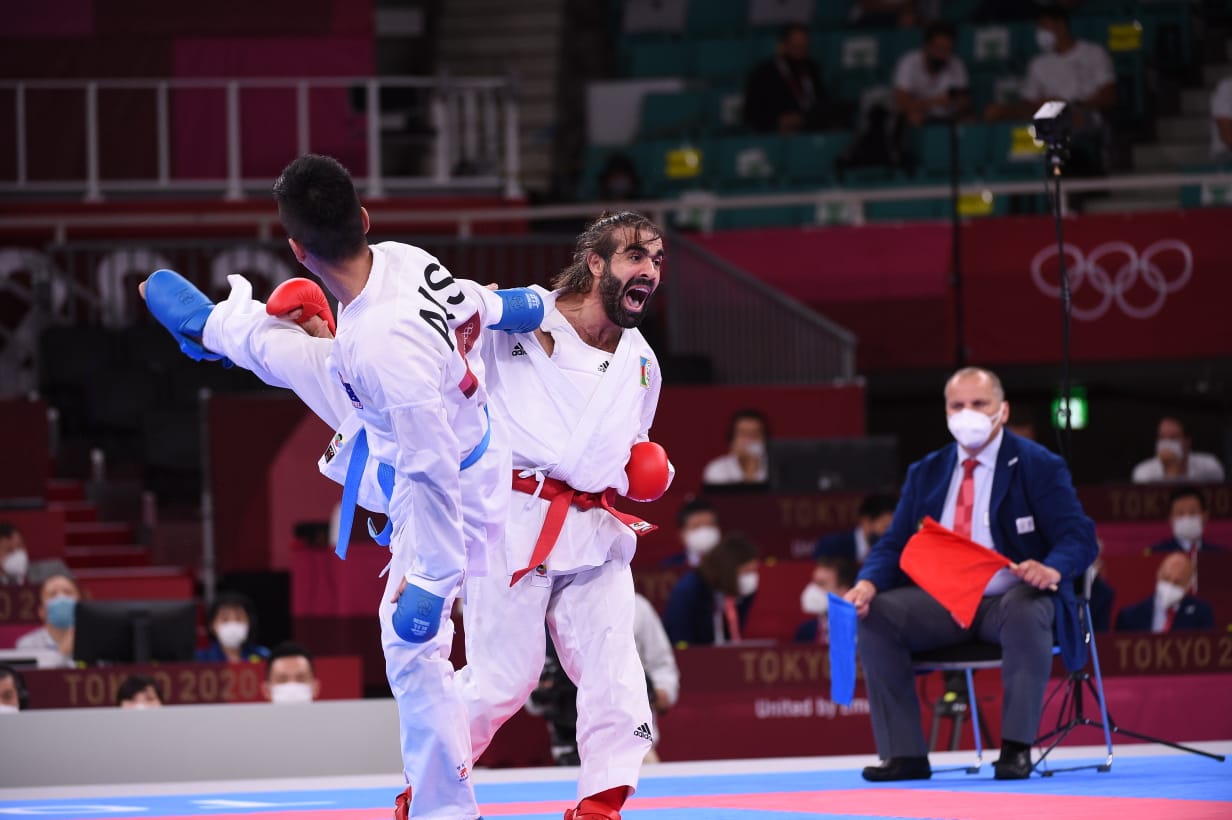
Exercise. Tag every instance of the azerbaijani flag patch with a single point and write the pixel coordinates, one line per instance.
(645, 377)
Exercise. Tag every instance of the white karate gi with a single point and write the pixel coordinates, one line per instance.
(573, 416)
(397, 366)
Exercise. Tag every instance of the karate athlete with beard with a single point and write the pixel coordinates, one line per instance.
(582, 391)
(575, 397)
(407, 361)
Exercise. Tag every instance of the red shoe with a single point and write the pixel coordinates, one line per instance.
(402, 805)
(592, 814)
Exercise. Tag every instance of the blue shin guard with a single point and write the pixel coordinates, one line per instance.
(418, 616)
(182, 309)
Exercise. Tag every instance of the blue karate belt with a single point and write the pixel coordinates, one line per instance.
(385, 480)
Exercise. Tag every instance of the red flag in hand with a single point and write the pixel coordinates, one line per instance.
(952, 569)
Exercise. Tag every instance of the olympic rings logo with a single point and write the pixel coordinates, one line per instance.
(1093, 270)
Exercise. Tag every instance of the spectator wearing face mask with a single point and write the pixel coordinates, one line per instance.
(1173, 459)
(872, 520)
(139, 692)
(14, 697)
(710, 604)
(1189, 517)
(745, 461)
(58, 598)
(698, 525)
(833, 573)
(290, 677)
(930, 83)
(1172, 608)
(15, 564)
(232, 636)
(1074, 71)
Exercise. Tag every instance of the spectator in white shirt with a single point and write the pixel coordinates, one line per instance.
(930, 83)
(745, 462)
(1221, 121)
(1174, 461)
(1077, 72)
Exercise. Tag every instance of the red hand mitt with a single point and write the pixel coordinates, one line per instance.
(952, 569)
(647, 471)
(301, 293)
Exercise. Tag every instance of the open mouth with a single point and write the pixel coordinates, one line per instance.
(636, 296)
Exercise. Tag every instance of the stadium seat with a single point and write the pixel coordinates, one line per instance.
(780, 12)
(932, 147)
(673, 115)
(727, 61)
(709, 18)
(749, 163)
(643, 16)
(808, 159)
(658, 59)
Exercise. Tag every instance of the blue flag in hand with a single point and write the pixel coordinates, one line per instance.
(842, 617)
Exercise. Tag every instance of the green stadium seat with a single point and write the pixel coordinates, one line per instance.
(669, 167)
(808, 159)
(751, 163)
(709, 18)
(932, 150)
(774, 216)
(829, 15)
(673, 115)
(658, 59)
(726, 61)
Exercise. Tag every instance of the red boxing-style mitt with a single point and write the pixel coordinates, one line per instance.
(301, 293)
(648, 471)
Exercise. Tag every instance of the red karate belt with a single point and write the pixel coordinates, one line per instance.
(561, 497)
(952, 569)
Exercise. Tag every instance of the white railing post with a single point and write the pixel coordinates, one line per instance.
(470, 127)
(513, 157)
(491, 125)
(19, 102)
(235, 187)
(164, 135)
(94, 192)
(301, 117)
(375, 186)
(440, 140)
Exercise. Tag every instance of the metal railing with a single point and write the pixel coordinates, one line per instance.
(470, 127)
(94, 284)
(848, 204)
(749, 332)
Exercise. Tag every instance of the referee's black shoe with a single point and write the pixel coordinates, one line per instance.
(899, 768)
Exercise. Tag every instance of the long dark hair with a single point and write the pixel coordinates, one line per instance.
(601, 237)
(720, 567)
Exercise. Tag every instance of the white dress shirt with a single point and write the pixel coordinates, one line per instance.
(981, 531)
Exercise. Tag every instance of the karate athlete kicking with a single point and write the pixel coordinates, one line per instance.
(405, 374)
(608, 383)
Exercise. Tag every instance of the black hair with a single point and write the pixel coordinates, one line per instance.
(19, 683)
(238, 600)
(601, 237)
(693, 505)
(939, 28)
(7, 529)
(1186, 491)
(134, 685)
(747, 413)
(876, 505)
(844, 568)
(288, 649)
(320, 209)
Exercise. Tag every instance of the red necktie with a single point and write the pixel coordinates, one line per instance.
(965, 504)
(733, 619)
(1171, 617)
